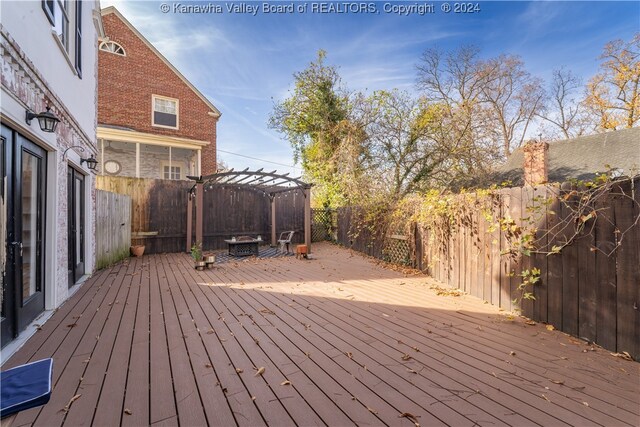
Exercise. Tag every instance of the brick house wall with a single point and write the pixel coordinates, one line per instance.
(126, 85)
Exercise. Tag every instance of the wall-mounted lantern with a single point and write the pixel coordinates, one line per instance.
(47, 120)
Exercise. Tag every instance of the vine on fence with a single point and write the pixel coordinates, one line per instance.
(573, 208)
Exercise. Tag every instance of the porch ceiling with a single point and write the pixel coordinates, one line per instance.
(337, 340)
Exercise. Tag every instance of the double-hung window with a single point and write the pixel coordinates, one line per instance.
(67, 27)
(165, 112)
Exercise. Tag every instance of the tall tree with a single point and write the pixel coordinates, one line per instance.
(452, 84)
(613, 95)
(565, 111)
(514, 97)
(315, 119)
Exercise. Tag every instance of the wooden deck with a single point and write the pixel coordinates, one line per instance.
(336, 340)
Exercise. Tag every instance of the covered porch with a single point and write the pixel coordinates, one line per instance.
(337, 340)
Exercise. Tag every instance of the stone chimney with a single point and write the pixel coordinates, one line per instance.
(536, 162)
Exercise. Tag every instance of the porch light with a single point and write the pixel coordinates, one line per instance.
(47, 120)
(92, 163)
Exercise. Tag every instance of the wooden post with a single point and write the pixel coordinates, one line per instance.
(199, 199)
(307, 218)
(189, 221)
(272, 199)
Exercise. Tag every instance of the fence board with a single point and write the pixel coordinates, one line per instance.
(554, 267)
(496, 212)
(539, 260)
(505, 259)
(515, 210)
(606, 275)
(526, 202)
(569, 269)
(628, 279)
(587, 296)
(113, 235)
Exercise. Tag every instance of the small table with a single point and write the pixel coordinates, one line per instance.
(243, 247)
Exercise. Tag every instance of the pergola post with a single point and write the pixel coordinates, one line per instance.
(199, 202)
(189, 221)
(272, 200)
(307, 218)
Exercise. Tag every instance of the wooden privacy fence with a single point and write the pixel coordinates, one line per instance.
(159, 213)
(113, 231)
(589, 288)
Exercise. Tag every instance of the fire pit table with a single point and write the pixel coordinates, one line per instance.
(243, 246)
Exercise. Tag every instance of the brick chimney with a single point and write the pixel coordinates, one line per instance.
(536, 162)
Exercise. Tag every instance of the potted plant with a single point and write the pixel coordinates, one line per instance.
(137, 250)
(210, 259)
(196, 254)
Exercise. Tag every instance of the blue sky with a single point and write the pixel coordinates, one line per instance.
(243, 62)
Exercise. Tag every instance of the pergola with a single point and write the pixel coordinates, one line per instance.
(268, 183)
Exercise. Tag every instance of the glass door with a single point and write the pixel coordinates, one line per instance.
(75, 224)
(24, 167)
(30, 197)
(8, 314)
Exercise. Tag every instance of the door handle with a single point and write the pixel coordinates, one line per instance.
(19, 244)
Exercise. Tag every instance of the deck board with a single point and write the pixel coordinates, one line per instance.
(156, 342)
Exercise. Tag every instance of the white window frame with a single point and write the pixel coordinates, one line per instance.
(171, 166)
(153, 109)
(60, 19)
(114, 47)
(62, 16)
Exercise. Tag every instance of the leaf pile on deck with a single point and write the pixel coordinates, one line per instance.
(440, 291)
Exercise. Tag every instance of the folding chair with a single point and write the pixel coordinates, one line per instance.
(285, 240)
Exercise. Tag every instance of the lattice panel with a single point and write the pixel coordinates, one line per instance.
(323, 224)
(397, 250)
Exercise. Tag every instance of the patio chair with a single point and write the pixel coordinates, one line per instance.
(285, 240)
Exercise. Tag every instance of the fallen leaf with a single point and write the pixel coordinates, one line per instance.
(73, 399)
(411, 371)
(416, 349)
(207, 365)
(585, 403)
(128, 411)
(406, 357)
(410, 416)
(285, 382)
(530, 322)
(373, 411)
(557, 381)
(239, 371)
(546, 398)
(624, 355)
(512, 353)
(550, 327)
(349, 355)
(260, 371)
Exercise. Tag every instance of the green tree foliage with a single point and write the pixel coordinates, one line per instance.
(315, 119)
